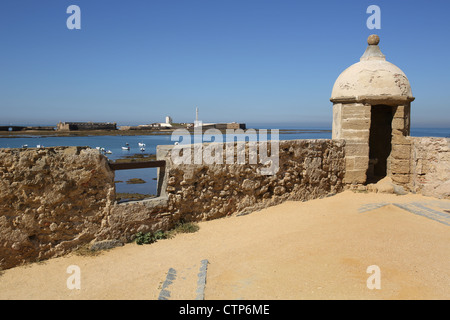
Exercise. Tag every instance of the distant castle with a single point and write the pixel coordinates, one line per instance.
(168, 124)
(79, 126)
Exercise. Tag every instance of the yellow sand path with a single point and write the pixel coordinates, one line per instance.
(319, 249)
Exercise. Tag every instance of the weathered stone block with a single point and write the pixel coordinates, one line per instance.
(398, 137)
(355, 176)
(349, 163)
(400, 178)
(399, 166)
(398, 123)
(352, 134)
(356, 124)
(357, 163)
(356, 110)
(356, 149)
(401, 111)
(401, 151)
(361, 163)
(337, 116)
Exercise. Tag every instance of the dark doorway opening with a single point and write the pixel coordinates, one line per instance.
(379, 141)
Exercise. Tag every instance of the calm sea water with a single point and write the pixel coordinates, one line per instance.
(115, 144)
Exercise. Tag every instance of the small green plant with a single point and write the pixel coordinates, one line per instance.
(160, 235)
(144, 238)
(149, 237)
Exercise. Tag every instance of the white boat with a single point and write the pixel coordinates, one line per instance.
(108, 152)
(141, 144)
(125, 148)
(142, 149)
(101, 149)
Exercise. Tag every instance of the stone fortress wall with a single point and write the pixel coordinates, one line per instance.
(80, 126)
(51, 201)
(429, 161)
(55, 200)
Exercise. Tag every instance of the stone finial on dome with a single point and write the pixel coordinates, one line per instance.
(373, 52)
(373, 40)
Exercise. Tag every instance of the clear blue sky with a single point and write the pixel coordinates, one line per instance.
(253, 61)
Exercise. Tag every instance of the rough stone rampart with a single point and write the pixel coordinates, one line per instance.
(51, 201)
(307, 169)
(54, 200)
(430, 166)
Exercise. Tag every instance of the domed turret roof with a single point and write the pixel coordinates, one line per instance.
(372, 79)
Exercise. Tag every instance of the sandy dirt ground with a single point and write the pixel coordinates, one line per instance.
(319, 249)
